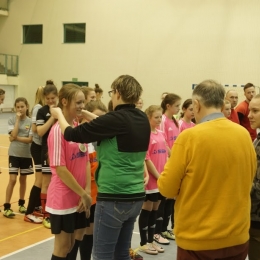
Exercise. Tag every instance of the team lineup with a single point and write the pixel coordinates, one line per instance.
(100, 168)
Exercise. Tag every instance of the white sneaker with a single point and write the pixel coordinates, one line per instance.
(157, 247)
(32, 219)
(148, 249)
(161, 240)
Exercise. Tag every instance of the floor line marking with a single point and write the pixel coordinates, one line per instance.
(18, 234)
(27, 247)
(38, 243)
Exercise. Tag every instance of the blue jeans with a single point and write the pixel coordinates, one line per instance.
(113, 228)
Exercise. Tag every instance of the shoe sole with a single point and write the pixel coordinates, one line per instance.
(169, 238)
(149, 253)
(9, 216)
(161, 243)
(31, 221)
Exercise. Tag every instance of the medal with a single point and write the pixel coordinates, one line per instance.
(82, 148)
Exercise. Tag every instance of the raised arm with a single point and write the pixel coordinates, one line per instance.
(100, 128)
(42, 129)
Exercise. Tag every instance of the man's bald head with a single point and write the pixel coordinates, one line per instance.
(232, 97)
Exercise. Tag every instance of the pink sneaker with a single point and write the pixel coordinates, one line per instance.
(161, 240)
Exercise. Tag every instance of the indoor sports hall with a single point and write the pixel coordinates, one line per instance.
(167, 45)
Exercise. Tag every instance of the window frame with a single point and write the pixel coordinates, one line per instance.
(65, 38)
(24, 36)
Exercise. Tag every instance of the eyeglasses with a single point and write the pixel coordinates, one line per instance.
(110, 92)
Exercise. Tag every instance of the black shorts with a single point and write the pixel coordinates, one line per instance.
(45, 161)
(92, 213)
(36, 152)
(25, 165)
(68, 223)
(154, 197)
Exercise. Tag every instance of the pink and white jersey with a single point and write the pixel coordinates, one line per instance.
(170, 130)
(184, 125)
(61, 199)
(157, 153)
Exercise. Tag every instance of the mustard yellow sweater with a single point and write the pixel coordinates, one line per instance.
(210, 171)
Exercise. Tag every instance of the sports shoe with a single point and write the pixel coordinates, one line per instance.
(32, 219)
(22, 209)
(134, 255)
(158, 248)
(38, 212)
(148, 249)
(168, 234)
(46, 222)
(161, 240)
(8, 213)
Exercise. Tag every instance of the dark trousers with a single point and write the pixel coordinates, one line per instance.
(229, 253)
(254, 244)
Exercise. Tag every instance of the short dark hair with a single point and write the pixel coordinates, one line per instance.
(212, 93)
(248, 85)
(128, 87)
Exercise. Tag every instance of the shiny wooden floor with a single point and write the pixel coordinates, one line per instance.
(16, 233)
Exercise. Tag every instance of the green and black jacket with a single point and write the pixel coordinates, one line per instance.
(122, 141)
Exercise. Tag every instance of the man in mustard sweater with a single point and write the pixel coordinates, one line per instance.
(210, 173)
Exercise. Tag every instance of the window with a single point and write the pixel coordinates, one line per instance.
(74, 33)
(32, 34)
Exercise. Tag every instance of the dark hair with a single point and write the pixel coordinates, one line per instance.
(97, 104)
(2, 92)
(98, 89)
(170, 99)
(24, 100)
(185, 105)
(248, 85)
(110, 106)
(50, 88)
(210, 93)
(128, 87)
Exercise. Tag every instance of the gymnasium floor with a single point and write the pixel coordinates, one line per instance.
(21, 240)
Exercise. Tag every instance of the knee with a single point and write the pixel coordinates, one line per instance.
(64, 250)
(12, 182)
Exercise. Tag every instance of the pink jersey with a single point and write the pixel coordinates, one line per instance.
(170, 130)
(61, 199)
(184, 125)
(157, 153)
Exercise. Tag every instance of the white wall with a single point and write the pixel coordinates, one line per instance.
(167, 45)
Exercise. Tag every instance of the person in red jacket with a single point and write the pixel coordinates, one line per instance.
(243, 110)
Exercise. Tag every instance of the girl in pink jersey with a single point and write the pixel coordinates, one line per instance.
(171, 107)
(155, 160)
(68, 196)
(187, 115)
(169, 125)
